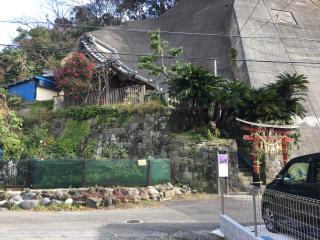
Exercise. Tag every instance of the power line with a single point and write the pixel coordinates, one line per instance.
(168, 57)
(171, 32)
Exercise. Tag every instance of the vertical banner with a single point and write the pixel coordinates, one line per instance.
(223, 164)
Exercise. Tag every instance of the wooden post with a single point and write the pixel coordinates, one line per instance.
(143, 93)
(284, 151)
(255, 163)
(84, 172)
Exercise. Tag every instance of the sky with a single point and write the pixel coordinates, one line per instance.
(17, 9)
(33, 10)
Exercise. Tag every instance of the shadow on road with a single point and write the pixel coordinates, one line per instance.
(161, 231)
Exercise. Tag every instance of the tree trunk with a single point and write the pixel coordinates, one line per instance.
(216, 112)
(222, 121)
(162, 7)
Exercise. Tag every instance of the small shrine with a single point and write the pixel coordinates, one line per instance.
(270, 139)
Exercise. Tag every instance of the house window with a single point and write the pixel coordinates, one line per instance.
(283, 17)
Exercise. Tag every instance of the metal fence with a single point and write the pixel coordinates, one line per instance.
(76, 173)
(270, 214)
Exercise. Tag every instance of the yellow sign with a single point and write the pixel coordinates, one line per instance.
(142, 162)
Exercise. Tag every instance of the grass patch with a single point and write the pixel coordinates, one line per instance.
(122, 111)
(200, 135)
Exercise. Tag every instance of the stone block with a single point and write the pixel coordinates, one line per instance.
(169, 194)
(29, 204)
(93, 202)
(68, 201)
(186, 176)
(45, 201)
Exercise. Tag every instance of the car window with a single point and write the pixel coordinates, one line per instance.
(297, 173)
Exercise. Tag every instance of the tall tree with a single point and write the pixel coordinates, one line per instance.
(76, 76)
(142, 9)
(13, 64)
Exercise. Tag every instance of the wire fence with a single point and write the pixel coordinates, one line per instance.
(276, 215)
(77, 173)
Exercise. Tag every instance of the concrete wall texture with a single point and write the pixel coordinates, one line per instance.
(283, 31)
(271, 30)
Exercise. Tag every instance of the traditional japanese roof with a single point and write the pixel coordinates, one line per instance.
(102, 53)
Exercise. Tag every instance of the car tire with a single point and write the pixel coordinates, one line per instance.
(269, 219)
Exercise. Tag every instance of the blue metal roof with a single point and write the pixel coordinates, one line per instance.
(41, 81)
(46, 83)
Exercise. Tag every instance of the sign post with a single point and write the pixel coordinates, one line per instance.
(223, 170)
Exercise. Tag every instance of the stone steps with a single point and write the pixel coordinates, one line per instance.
(245, 173)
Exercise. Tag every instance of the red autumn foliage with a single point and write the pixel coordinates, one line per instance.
(76, 76)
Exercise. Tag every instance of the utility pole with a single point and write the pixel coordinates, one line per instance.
(215, 67)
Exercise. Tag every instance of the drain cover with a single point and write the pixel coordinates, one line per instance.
(133, 221)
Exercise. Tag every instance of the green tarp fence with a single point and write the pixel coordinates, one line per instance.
(77, 173)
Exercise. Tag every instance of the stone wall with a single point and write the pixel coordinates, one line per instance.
(273, 165)
(155, 135)
(196, 164)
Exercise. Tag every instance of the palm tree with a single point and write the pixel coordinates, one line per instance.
(230, 100)
(197, 87)
(291, 89)
(262, 104)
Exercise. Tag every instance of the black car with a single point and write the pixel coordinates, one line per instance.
(291, 202)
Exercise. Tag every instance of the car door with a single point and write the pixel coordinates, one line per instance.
(314, 209)
(298, 180)
(315, 186)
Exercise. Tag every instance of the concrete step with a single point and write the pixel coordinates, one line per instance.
(245, 169)
(245, 174)
(246, 183)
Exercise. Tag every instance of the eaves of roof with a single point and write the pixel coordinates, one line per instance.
(102, 53)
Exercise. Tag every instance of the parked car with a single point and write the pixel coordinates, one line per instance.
(291, 202)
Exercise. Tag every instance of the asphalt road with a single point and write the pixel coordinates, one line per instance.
(181, 220)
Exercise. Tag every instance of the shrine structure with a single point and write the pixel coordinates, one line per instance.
(271, 139)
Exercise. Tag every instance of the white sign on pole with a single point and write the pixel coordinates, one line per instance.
(223, 165)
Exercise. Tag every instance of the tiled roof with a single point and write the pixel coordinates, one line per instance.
(105, 54)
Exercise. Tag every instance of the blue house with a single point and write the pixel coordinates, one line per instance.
(38, 88)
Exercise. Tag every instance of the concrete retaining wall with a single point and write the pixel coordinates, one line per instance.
(234, 231)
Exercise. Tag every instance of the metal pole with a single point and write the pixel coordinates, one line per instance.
(222, 197)
(219, 187)
(149, 173)
(255, 212)
(227, 185)
(215, 67)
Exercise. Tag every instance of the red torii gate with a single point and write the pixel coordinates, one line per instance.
(272, 134)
